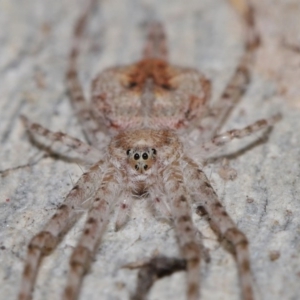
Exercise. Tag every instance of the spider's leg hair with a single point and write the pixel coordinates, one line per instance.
(179, 202)
(90, 126)
(65, 216)
(55, 140)
(97, 219)
(206, 199)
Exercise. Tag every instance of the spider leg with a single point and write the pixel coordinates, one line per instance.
(83, 253)
(220, 140)
(221, 222)
(95, 225)
(237, 85)
(184, 227)
(90, 126)
(156, 42)
(67, 213)
(41, 134)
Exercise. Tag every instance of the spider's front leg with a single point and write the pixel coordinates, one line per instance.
(220, 221)
(97, 219)
(179, 202)
(67, 213)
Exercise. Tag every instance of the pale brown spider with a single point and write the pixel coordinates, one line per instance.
(148, 110)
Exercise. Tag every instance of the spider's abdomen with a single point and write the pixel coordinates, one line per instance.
(150, 93)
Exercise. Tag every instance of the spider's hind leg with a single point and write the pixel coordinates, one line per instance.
(92, 129)
(241, 78)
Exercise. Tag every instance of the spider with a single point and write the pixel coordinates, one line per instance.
(147, 112)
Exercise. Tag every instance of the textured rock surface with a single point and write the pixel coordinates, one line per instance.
(263, 199)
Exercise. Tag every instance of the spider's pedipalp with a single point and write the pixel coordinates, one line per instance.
(124, 207)
(158, 201)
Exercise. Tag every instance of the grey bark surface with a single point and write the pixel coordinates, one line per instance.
(263, 199)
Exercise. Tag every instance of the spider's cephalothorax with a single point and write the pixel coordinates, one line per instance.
(156, 112)
(143, 154)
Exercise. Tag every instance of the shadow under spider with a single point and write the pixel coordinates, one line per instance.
(156, 268)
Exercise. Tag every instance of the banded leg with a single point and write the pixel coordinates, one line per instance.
(156, 42)
(57, 139)
(79, 103)
(221, 222)
(45, 241)
(220, 140)
(238, 83)
(95, 225)
(184, 227)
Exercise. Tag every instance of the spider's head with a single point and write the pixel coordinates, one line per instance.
(141, 159)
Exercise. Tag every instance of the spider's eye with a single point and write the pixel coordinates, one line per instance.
(145, 156)
(128, 152)
(154, 151)
(136, 156)
(136, 167)
(145, 167)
